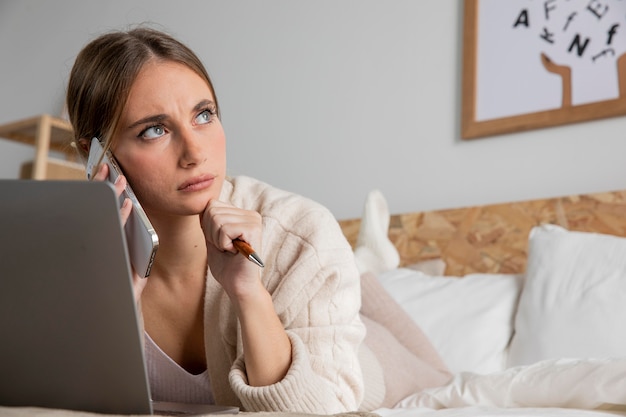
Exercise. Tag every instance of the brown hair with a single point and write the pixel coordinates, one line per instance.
(105, 70)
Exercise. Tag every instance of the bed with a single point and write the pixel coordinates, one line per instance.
(524, 303)
(514, 309)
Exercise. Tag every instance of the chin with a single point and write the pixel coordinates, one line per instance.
(198, 205)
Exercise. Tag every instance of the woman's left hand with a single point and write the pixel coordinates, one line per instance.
(222, 223)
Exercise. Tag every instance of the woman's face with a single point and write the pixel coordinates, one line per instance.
(170, 143)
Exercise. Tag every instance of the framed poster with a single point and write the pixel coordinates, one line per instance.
(529, 64)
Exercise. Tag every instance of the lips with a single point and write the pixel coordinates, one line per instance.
(197, 183)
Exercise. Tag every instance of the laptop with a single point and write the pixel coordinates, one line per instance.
(69, 329)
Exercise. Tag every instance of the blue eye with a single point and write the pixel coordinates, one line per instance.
(204, 117)
(153, 132)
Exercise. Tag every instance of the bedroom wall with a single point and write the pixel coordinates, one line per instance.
(326, 98)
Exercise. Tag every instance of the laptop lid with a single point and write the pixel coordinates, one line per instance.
(68, 320)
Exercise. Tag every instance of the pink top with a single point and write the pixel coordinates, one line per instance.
(170, 382)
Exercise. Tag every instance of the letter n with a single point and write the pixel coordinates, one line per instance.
(580, 47)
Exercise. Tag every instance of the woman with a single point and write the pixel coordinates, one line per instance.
(218, 328)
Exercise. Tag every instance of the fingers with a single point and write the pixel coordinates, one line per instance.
(103, 173)
(223, 223)
(125, 210)
(138, 285)
(119, 185)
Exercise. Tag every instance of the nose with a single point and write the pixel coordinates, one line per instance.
(191, 150)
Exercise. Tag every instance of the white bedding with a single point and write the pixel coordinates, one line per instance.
(572, 387)
(469, 321)
(483, 411)
(567, 383)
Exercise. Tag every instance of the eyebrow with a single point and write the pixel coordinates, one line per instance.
(203, 104)
(159, 118)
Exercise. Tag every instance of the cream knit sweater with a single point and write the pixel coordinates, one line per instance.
(312, 276)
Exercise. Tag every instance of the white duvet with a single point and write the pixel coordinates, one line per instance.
(572, 387)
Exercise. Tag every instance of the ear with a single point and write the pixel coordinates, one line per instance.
(84, 144)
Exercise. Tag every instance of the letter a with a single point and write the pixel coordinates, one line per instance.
(522, 19)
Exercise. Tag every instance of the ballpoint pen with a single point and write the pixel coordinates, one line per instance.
(247, 250)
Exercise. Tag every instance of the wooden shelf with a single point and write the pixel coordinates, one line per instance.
(45, 133)
(56, 169)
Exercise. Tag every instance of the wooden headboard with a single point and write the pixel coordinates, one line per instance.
(494, 238)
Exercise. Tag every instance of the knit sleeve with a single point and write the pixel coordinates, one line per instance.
(316, 293)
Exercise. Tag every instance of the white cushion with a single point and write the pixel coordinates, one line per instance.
(574, 299)
(468, 320)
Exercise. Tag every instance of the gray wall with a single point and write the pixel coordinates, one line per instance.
(326, 98)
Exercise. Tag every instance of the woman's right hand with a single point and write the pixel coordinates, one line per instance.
(103, 172)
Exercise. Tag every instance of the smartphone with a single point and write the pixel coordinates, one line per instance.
(141, 237)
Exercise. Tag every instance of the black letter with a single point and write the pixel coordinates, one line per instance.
(547, 36)
(547, 8)
(612, 32)
(594, 7)
(522, 19)
(580, 48)
(569, 19)
(602, 53)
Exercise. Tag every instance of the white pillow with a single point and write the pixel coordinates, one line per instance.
(574, 300)
(468, 320)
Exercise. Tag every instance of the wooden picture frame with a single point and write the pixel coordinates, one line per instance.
(497, 33)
